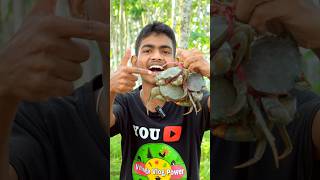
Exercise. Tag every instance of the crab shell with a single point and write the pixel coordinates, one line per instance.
(224, 97)
(219, 31)
(172, 93)
(274, 65)
(168, 75)
(195, 82)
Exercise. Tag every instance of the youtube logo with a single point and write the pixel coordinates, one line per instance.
(172, 133)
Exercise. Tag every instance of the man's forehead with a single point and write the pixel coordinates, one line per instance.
(157, 40)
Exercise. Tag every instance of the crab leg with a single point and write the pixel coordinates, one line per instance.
(191, 100)
(199, 105)
(262, 124)
(240, 100)
(190, 110)
(279, 114)
(242, 38)
(287, 141)
(260, 149)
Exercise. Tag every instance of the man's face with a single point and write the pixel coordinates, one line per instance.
(155, 51)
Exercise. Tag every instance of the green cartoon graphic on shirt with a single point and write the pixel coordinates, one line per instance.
(158, 161)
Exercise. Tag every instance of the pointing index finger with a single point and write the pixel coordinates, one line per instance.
(141, 71)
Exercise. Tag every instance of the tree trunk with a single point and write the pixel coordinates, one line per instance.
(185, 29)
(173, 15)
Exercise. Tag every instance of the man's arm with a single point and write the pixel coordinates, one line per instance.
(112, 116)
(123, 80)
(316, 135)
(8, 110)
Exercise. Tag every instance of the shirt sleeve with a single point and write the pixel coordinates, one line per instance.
(301, 132)
(119, 111)
(205, 113)
(28, 144)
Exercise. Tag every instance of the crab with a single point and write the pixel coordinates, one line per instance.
(251, 87)
(230, 46)
(256, 98)
(179, 85)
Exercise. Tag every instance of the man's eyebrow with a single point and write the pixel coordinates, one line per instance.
(165, 46)
(152, 46)
(147, 45)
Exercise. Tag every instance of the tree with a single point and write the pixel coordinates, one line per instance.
(185, 21)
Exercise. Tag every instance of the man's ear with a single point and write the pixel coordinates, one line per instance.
(77, 9)
(134, 60)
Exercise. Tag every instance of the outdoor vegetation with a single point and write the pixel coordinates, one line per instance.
(189, 19)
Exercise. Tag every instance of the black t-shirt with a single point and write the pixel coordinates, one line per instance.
(60, 139)
(299, 165)
(153, 147)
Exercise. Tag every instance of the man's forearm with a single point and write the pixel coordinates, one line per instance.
(7, 113)
(316, 135)
(111, 101)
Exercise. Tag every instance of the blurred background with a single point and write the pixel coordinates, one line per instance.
(190, 20)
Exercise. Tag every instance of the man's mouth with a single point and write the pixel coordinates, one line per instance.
(156, 68)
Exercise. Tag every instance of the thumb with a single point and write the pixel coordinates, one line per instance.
(44, 7)
(126, 57)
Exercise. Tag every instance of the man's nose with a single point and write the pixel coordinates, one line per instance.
(156, 55)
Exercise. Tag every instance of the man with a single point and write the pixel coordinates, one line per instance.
(153, 146)
(302, 21)
(58, 138)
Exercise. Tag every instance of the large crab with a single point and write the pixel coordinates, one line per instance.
(179, 85)
(251, 86)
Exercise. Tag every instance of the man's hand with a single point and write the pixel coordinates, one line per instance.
(296, 16)
(123, 79)
(194, 61)
(42, 60)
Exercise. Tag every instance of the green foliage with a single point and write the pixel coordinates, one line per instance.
(130, 17)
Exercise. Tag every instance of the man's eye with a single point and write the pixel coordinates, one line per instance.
(146, 51)
(167, 52)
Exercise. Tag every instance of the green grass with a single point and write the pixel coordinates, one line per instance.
(115, 156)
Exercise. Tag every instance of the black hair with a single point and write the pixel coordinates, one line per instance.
(158, 28)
